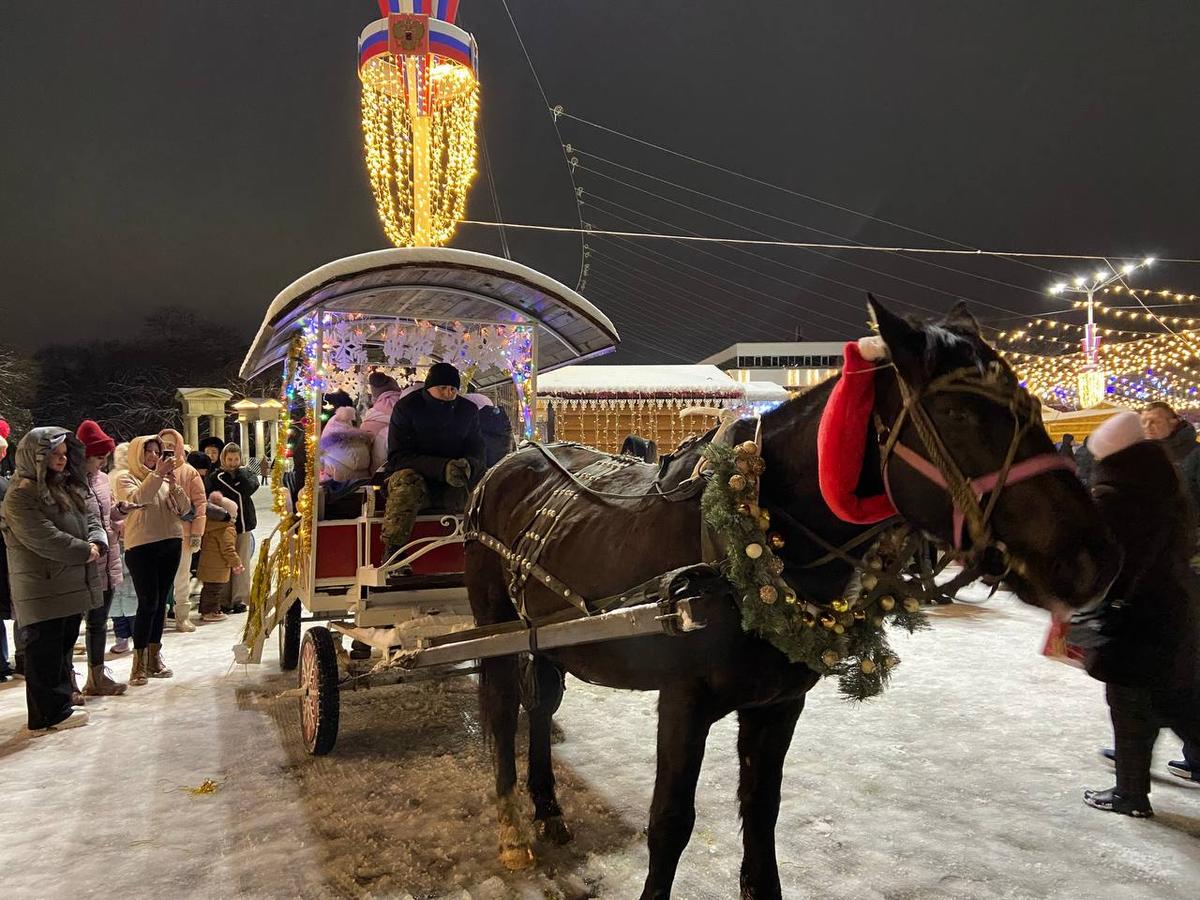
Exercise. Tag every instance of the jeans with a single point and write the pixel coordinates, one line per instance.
(123, 627)
(48, 670)
(153, 567)
(97, 630)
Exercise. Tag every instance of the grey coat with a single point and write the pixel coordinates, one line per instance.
(48, 533)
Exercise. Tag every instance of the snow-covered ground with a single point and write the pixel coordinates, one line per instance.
(963, 781)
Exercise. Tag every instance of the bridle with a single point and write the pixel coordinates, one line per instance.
(996, 385)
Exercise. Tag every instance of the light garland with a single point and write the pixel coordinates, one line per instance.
(420, 106)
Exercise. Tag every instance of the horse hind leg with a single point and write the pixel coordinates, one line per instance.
(542, 695)
(764, 735)
(499, 700)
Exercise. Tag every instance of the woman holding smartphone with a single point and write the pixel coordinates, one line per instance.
(153, 545)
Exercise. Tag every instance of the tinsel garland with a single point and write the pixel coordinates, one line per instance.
(845, 637)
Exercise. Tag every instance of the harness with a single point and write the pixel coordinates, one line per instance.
(997, 386)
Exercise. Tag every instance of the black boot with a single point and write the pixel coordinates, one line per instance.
(1111, 801)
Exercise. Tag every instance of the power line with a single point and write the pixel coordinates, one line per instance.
(870, 248)
(809, 197)
(767, 215)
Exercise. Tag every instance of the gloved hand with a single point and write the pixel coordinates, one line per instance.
(195, 543)
(458, 473)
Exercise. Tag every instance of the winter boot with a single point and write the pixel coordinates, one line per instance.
(74, 719)
(156, 666)
(77, 698)
(121, 646)
(99, 684)
(137, 675)
(184, 626)
(1111, 801)
(1180, 768)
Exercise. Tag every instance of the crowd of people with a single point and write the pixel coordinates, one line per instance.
(93, 531)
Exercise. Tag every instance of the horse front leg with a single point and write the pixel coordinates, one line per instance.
(500, 695)
(542, 698)
(764, 735)
(684, 719)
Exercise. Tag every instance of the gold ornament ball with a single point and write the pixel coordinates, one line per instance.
(776, 540)
(830, 658)
(809, 620)
(868, 666)
(869, 581)
(754, 551)
(887, 602)
(776, 566)
(859, 616)
(828, 621)
(758, 465)
(839, 628)
(744, 509)
(789, 596)
(877, 621)
(874, 562)
(840, 605)
(737, 482)
(742, 465)
(911, 604)
(767, 593)
(749, 448)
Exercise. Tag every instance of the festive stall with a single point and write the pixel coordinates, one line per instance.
(601, 405)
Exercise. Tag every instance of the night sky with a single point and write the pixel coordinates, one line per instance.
(205, 154)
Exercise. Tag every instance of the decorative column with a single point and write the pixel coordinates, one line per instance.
(244, 434)
(217, 425)
(259, 439)
(191, 431)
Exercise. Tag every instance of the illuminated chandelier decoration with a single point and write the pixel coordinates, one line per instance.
(420, 103)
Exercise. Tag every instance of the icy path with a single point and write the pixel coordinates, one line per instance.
(962, 782)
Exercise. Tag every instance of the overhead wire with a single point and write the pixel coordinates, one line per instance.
(767, 184)
(771, 216)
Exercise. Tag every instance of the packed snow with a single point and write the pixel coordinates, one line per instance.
(962, 781)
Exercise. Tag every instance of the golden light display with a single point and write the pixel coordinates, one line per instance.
(420, 107)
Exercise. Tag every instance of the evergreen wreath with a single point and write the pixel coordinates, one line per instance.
(844, 637)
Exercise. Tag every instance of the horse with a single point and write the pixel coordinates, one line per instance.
(946, 393)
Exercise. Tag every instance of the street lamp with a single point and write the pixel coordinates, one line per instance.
(1092, 378)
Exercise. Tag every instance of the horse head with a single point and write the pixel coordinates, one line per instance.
(965, 457)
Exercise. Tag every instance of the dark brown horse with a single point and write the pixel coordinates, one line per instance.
(1042, 538)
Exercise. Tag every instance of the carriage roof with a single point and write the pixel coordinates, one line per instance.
(443, 285)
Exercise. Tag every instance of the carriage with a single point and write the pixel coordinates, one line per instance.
(397, 311)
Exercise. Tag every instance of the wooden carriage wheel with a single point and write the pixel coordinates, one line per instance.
(319, 704)
(289, 638)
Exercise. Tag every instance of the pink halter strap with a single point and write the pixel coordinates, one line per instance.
(1017, 472)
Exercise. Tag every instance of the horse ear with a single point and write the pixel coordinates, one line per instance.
(905, 342)
(961, 319)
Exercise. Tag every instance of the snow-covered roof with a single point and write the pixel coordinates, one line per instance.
(438, 284)
(765, 392)
(639, 381)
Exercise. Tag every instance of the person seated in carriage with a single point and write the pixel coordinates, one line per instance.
(435, 453)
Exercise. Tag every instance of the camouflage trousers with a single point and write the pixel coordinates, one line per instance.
(407, 495)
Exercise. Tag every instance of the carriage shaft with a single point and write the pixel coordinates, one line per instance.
(664, 617)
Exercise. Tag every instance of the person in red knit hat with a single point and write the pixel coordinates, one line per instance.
(97, 446)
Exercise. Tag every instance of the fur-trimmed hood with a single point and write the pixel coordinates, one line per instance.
(34, 451)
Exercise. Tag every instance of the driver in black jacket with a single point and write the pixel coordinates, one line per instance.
(435, 453)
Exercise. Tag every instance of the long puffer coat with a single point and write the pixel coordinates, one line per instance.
(375, 423)
(1155, 634)
(237, 485)
(109, 565)
(48, 532)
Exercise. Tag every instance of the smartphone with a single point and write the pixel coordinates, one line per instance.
(168, 454)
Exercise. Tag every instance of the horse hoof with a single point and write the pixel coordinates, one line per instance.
(554, 830)
(516, 859)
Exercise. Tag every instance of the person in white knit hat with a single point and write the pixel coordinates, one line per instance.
(1144, 643)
